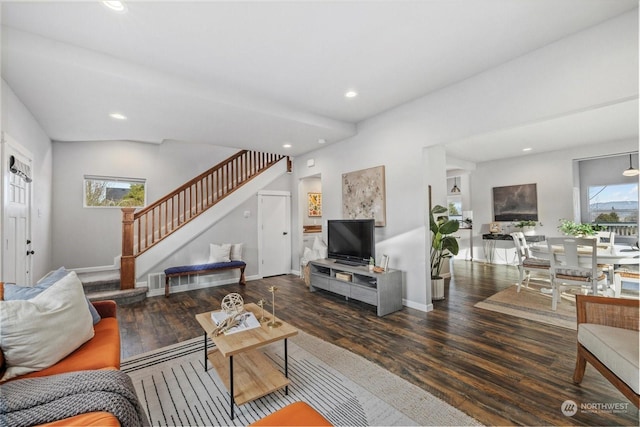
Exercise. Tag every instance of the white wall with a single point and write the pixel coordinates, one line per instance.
(590, 68)
(18, 122)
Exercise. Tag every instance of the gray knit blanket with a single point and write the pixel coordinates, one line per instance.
(33, 401)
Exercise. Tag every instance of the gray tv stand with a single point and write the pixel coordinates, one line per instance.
(384, 290)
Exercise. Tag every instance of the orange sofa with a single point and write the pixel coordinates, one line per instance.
(100, 352)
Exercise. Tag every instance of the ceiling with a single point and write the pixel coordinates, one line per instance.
(261, 74)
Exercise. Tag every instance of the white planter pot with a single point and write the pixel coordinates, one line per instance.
(437, 289)
(529, 231)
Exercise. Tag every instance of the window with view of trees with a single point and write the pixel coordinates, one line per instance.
(616, 203)
(114, 192)
(455, 208)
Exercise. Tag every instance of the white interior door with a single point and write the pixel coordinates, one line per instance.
(274, 233)
(16, 228)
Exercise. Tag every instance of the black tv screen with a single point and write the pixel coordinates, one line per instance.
(351, 241)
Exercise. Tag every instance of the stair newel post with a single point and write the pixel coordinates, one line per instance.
(128, 259)
(289, 165)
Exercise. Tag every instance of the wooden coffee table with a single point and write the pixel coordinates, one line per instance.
(256, 375)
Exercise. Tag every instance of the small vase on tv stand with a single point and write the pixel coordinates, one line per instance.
(437, 288)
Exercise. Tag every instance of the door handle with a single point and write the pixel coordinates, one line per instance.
(31, 252)
(284, 233)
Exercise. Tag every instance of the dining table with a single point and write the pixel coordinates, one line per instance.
(606, 254)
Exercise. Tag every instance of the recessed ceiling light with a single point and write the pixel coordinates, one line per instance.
(286, 145)
(321, 141)
(527, 149)
(351, 94)
(118, 116)
(116, 6)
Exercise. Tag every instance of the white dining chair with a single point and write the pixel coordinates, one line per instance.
(567, 271)
(526, 262)
(605, 238)
(630, 278)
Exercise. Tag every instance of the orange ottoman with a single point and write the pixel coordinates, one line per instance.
(295, 414)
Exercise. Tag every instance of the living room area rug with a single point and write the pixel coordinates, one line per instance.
(533, 304)
(347, 389)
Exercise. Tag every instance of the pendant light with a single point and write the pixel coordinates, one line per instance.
(455, 188)
(631, 171)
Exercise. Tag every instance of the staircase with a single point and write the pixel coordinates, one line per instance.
(105, 285)
(144, 230)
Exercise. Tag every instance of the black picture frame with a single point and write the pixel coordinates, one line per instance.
(515, 203)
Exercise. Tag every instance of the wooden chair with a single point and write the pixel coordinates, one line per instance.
(608, 340)
(526, 262)
(566, 269)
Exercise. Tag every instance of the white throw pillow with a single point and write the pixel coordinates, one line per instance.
(37, 333)
(219, 253)
(236, 251)
(308, 255)
(320, 248)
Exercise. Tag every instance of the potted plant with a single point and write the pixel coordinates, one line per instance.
(528, 227)
(577, 229)
(443, 246)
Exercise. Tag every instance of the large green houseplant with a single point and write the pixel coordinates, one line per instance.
(443, 246)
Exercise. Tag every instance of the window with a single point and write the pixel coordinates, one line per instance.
(614, 203)
(114, 192)
(455, 207)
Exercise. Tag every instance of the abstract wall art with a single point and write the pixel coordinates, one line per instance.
(363, 195)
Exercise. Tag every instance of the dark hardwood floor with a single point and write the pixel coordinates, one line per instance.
(499, 369)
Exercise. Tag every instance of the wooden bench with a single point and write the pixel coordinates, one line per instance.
(186, 270)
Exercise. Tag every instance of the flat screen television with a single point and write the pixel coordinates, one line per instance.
(351, 241)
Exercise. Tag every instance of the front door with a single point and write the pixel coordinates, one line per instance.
(274, 231)
(16, 228)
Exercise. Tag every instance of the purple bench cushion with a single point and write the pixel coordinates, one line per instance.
(204, 267)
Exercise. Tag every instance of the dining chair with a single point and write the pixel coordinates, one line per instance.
(629, 279)
(566, 270)
(606, 238)
(526, 262)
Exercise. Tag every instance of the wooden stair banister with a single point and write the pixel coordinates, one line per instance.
(149, 226)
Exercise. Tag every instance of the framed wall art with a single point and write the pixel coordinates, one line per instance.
(363, 195)
(515, 202)
(315, 204)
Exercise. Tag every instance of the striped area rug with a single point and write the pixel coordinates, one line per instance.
(347, 389)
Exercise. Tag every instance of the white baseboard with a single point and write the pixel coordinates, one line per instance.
(421, 307)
